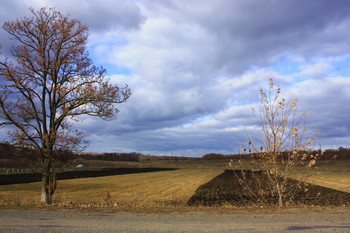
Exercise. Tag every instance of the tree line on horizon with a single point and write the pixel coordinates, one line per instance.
(8, 151)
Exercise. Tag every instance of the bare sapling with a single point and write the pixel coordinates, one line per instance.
(284, 150)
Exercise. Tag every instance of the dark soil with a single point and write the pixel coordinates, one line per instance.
(36, 177)
(226, 189)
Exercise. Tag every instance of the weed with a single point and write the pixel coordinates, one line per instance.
(281, 151)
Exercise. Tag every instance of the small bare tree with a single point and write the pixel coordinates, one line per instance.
(48, 83)
(282, 150)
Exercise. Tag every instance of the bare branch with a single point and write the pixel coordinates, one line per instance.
(51, 81)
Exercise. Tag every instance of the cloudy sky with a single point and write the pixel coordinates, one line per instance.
(195, 68)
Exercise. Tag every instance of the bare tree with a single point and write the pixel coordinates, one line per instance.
(48, 83)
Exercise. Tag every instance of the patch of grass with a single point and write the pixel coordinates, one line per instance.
(20, 194)
(333, 174)
(335, 180)
(144, 190)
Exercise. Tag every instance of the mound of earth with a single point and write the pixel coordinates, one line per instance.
(36, 177)
(225, 189)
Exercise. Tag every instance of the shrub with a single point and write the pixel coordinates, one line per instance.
(281, 151)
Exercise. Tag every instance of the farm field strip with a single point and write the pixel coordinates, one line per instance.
(335, 180)
(154, 189)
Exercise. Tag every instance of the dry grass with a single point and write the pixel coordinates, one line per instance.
(164, 189)
(335, 180)
(146, 190)
(334, 174)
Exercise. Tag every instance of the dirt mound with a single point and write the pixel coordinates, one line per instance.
(36, 177)
(226, 189)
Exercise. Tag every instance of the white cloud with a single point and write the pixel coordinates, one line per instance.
(195, 68)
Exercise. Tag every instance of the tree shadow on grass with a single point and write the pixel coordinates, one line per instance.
(225, 189)
(36, 177)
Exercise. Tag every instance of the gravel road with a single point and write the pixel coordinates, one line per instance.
(329, 220)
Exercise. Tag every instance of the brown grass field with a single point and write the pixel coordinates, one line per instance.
(164, 189)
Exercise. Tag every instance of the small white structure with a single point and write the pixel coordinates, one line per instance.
(80, 165)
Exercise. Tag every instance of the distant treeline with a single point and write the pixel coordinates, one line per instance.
(134, 157)
(131, 157)
(10, 152)
(214, 156)
(340, 153)
(164, 157)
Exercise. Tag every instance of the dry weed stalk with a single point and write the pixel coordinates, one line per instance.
(281, 151)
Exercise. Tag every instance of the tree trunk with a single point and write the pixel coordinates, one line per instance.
(45, 195)
(48, 187)
(280, 194)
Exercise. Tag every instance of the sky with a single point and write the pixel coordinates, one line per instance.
(195, 68)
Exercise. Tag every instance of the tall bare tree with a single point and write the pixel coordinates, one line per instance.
(48, 83)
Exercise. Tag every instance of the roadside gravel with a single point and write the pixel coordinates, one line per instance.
(297, 220)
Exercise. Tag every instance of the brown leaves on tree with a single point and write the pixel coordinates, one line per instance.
(50, 80)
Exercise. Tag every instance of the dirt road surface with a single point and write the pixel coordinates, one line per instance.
(329, 220)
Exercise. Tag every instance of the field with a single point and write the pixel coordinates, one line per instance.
(152, 190)
(335, 175)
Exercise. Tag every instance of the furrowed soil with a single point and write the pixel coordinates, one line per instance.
(225, 189)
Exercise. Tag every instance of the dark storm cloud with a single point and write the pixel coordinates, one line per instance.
(251, 32)
(99, 16)
(104, 14)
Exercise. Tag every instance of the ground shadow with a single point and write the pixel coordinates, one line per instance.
(36, 177)
(225, 189)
